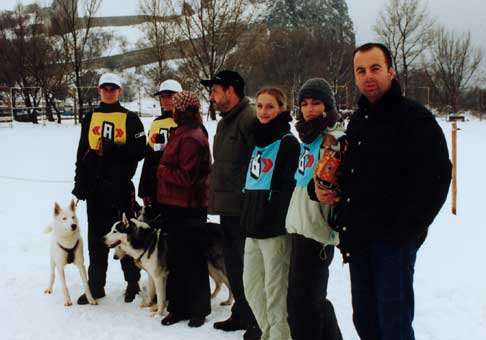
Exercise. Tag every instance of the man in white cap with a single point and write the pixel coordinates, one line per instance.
(111, 144)
(158, 136)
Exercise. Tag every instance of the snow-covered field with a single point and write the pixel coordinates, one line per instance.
(37, 165)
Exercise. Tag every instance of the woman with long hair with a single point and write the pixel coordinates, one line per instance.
(182, 192)
(269, 185)
(311, 314)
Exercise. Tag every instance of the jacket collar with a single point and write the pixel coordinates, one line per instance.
(116, 107)
(235, 110)
(391, 97)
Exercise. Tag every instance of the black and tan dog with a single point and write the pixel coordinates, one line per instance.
(148, 247)
(216, 265)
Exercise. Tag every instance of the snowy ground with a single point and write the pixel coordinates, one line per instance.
(37, 164)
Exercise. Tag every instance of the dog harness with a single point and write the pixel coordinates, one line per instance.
(154, 237)
(70, 252)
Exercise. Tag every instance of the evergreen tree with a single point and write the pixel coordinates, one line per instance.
(304, 39)
(311, 15)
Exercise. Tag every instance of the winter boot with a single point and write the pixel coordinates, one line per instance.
(132, 289)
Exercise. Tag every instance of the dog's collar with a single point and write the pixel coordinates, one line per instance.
(70, 252)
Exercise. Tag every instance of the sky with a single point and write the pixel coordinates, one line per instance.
(462, 16)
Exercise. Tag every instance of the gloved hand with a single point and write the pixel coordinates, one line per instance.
(105, 147)
(160, 139)
(108, 146)
(160, 143)
(79, 193)
(326, 196)
(147, 202)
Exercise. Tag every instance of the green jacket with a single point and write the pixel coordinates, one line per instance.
(310, 218)
(232, 147)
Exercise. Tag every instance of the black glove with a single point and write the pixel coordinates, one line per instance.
(79, 193)
(160, 143)
(160, 139)
(108, 146)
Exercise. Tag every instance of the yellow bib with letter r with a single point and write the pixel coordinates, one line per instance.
(112, 125)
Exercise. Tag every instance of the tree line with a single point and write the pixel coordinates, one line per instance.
(278, 42)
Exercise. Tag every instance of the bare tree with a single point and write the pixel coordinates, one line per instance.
(338, 53)
(77, 37)
(46, 64)
(207, 33)
(405, 27)
(454, 64)
(157, 36)
(30, 58)
(297, 41)
(287, 58)
(13, 44)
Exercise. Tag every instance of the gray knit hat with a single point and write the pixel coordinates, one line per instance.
(318, 88)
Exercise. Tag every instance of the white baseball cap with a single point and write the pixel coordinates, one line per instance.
(110, 78)
(169, 85)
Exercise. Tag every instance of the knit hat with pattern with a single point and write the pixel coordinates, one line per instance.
(185, 99)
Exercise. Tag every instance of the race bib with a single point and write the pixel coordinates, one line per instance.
(159, 133)
(309, 155)
(110, 125)
(261, 167)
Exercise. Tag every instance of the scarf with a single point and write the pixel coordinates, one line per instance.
(266, 134)
(309, 130)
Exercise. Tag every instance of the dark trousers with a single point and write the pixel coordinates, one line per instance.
(382, 291)
(234, 248)
(102, 213)
(311, 315)
(189, 293)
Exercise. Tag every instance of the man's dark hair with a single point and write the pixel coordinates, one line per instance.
(239, 91)
(369, 46)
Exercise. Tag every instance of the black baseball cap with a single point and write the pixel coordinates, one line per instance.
(226, 78)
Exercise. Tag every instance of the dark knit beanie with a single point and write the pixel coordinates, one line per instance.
(318, 88)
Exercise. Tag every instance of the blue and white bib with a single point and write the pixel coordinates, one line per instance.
(309, 155)
(262, 165)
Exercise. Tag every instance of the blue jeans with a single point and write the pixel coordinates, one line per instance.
(382, 291)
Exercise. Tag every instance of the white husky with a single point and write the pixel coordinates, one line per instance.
(67, 247)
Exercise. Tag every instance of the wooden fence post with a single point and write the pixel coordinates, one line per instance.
(454, 166)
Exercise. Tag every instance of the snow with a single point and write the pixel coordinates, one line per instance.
(37, 166)
(124, 39)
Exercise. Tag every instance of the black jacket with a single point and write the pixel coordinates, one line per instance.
(264, 211)
(148, 183)
(395, 175)
(108, 175)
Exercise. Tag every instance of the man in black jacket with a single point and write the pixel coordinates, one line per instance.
(111, 144)
(394, 179)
